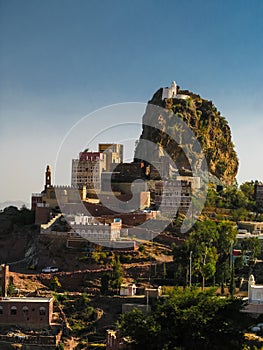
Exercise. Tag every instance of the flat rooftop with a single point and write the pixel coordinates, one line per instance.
(26, 299)
(257, 286)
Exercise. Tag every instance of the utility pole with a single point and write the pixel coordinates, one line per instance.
(232, 286)
(147, 301)
(190, 269)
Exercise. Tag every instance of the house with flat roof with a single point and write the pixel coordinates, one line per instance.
(28, 312)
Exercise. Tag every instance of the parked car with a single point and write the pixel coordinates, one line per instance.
(49, 269)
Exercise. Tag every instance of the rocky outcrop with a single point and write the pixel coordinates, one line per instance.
(160, 126)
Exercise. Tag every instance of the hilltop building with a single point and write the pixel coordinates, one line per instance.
(171, 92)
(105, 185)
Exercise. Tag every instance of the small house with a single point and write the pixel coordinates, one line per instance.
(128, 289)
(153, 292)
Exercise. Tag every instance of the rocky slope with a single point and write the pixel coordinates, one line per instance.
(209, 127)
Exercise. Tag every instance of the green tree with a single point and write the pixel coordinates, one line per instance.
(60, 346)
(210, 244)
(234, 198)
(187, 319)
(202, 243)
(227, 238)
(251, 246)
(164, 270)
(11, 289)
(105, 279)
(181, 255)
(211, 198)
(55, 284)
(232, 284)
(142, 249)
(143, 330)
(239, 214)
(204, 255)
(117, 274)
(248, 189)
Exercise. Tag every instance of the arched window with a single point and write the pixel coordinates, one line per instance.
(25, 310)
(13, 310)
(42, 311)
(1, 310)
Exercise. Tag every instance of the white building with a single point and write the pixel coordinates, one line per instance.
(85, 228)
(128, 289)
(171, 92)
(255, 292)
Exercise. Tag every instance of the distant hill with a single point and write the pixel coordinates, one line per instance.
(17, 204)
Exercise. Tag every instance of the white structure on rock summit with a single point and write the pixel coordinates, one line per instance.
(171, 92)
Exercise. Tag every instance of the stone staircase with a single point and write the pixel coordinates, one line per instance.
(45, 228)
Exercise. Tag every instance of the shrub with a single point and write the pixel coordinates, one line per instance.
(141, 248)
(126, 258)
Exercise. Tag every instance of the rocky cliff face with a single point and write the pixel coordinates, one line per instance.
(160, 126)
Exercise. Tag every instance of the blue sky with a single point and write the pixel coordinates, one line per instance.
(61, 60)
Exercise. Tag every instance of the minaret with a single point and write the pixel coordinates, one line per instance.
(173, 89)
(48, 177)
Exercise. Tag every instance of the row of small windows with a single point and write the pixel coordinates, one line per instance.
(25, 310)
(84, 177)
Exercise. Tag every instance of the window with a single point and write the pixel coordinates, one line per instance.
(13, 310)
(42, 311)
(25, 310)
(1, 310)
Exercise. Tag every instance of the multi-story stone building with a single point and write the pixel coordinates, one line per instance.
(86, 171)
(172, 196)
(113, 153)
(122, 178)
